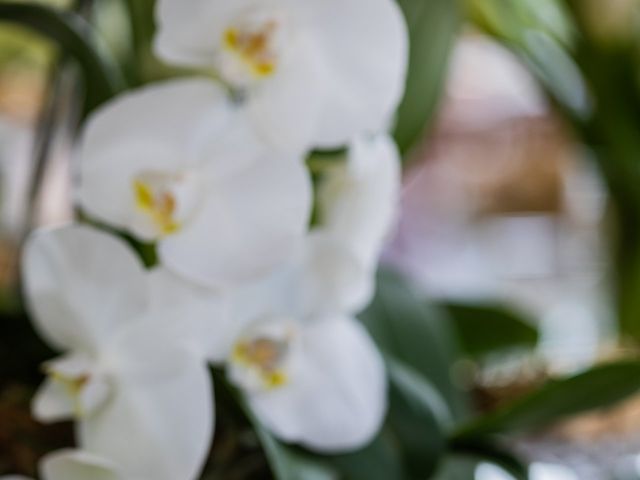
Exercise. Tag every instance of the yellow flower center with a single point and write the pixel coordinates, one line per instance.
(73, 387)
(265, 356)
(159, 204)
(254, 47)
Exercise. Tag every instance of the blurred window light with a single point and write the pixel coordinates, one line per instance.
(636, 465)
(537, 471)
(505, 90)
(522, 246)
(549, 471)
(14, 174)
(570, 334)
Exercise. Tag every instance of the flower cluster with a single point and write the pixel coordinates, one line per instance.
(260, 270)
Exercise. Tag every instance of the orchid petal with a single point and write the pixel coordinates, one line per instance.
(81, 286)
(77, 465)
(189, 313)
(331, 279)
(52, 403)
(365, 58)
(287, 109)
(247, 225)
(162, 399)
(359, 200)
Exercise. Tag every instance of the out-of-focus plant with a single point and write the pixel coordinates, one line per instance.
(585, 57)
(433, 26)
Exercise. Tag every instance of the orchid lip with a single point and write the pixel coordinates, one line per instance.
(252, 47)
(260, 360)
(86, 389)
(166, 200)
(264, 356)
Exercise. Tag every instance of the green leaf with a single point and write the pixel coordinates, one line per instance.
(600, 387)
(289, 464)
(462, 462)
(539, 32)
(490, 327)
(433, 25)
(412, 442)
(456, 467)
(286, 463)
(418, 417)
(75, 38)
(515, 19)
(408, 330)
(380, 460)
(557, 71)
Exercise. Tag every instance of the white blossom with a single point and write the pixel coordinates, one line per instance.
(177, 164)
(140, 392)
(308, 369)
(313, 73)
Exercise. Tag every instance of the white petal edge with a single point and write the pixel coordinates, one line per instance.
(81, 284)
(359, 201)
(332, 279)
(78, 465)
(365, 59)
(51, 403)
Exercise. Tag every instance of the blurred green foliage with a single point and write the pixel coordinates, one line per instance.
(587, 61)
(485, 329)
(596, 388)
(433, 25)
(77, 39)
(22, 49)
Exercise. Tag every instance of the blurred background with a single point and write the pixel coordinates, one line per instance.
(520, 218)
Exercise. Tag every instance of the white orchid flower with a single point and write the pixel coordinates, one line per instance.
(141, 394)
(358, 200)
(314, 72)
(176, 163)
(308, 369)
